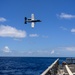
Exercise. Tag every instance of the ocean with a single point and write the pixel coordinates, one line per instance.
(25, 65)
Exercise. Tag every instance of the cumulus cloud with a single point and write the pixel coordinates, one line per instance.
(66, 16)
(33, 35)
(6, 49)
(8, 31)
(2, 19)
(73, 30)
(52, 52)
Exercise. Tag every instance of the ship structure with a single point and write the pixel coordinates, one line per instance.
(66, 68)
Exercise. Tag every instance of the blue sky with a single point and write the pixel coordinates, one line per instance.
(53, 37)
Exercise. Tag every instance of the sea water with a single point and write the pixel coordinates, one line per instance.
(25, 65)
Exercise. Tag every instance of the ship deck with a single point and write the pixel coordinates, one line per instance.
(68, 69)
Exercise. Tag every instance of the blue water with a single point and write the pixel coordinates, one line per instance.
(25, 65)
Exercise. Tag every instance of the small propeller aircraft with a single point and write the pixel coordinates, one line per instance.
(31, 20)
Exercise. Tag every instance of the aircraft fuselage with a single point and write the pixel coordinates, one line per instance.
(33, 20)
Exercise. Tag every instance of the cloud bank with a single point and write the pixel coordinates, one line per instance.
(8, 31)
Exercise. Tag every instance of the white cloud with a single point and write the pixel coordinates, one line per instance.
(33, 35)
(42, 51)
(70, 48)
(8, 31)
(67, 48)
(66, 16)
(17, 39)
(72, 30)
(30, 52)
(63, 28)
(6, 49)
(52, 52)
(2, 19)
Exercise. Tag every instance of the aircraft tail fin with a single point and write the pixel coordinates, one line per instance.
(25, 20)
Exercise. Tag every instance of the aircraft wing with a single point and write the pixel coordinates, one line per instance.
(32, 24)
(32, 17)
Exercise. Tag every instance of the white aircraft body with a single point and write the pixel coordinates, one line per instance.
(31, 20)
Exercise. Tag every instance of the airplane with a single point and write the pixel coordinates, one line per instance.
(31, 20)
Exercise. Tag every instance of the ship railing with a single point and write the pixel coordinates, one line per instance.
(52, 69)
(68, 70)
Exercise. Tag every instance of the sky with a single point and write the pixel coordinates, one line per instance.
(53, 37)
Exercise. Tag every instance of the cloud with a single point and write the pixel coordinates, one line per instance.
(67, 48)
(63, 28)
(8, 31)
(52, 52)
(37, 53)
(6, 49)
(33, 35)
(70, 48)
(17, 39)
(2, 19)
(66, 16)
(73, 30)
